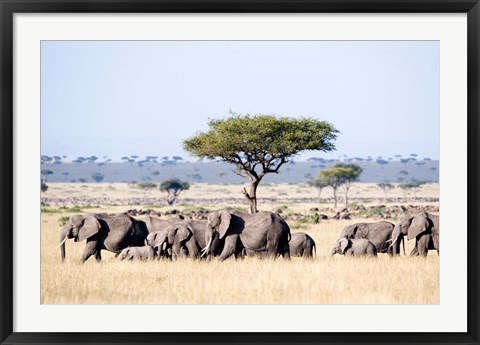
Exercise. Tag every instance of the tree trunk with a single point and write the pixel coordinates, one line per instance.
(335, 196)
(252, 196)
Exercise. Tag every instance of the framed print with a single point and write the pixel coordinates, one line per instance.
(239, 172)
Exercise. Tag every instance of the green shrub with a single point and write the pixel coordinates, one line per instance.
(63, 220)
(49, 210)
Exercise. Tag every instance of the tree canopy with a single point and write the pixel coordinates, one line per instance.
(260, 144)
(340, 174)
(97, 177)
(173, 187)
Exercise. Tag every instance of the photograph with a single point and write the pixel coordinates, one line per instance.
(239, 172)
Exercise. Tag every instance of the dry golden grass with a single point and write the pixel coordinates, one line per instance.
(323, 280)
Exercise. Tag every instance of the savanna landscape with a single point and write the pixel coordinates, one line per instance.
(237, 146)
(325, 279)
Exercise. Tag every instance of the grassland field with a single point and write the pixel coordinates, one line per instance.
(322, 280)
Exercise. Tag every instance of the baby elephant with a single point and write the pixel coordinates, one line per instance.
(137, 253)
(354, 247)
(301, 245)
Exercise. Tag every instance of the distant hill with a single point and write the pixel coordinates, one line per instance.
(217, 172)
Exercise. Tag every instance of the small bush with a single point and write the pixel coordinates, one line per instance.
(63, 220)
(73, 209)
(48, 210)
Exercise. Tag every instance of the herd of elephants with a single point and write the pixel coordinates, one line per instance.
(226, 233)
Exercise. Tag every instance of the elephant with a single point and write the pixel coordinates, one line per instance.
(301, 244)
(354, 247)
(379, 233)
(139, 253)
(263, 233)
(159, 241)
(156, 224)
(424, 228)
(103, 231)
(187, 238)
(157, 236)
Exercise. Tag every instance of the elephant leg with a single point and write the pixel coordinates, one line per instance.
(90, 249)
(228, 248)
(98, 256)
(193, 252)
(285, 251)
(273, 248)
(422, 245)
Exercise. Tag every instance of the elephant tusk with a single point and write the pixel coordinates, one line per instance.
(390, 240)
(205, 250)
(393, 243)
(62, 242)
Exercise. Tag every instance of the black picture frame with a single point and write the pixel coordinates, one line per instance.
(9, 7)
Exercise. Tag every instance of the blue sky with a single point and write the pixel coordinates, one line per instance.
(122, 98)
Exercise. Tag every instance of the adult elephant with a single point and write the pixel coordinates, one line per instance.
(425, 229)
(262, 233)
(156, 224)
(103, 231)
(379, 233)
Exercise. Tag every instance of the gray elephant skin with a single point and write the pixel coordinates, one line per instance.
(425, 229)
(137, 253)
(157, 237)
(264, 234)
(379, 233)
(354, 247)
(103, 231)
(301, 244)
(159, 241)
(187, 238)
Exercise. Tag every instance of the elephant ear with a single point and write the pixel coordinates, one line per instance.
(349, 231)
(152, 238)
(361, 230)
(418, 225)
(182, 234)
(89, 228)
(171, 231)
(225, 218)
(344, 244)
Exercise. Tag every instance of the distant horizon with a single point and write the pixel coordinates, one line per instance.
(342, 158)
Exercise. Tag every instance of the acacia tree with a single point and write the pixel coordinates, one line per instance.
(351, 173)
(45, 173)
(386, 187)
(318, 183)
(340, 174)
(259, 144)
(145, 186)
(97, 177)
(173, 187)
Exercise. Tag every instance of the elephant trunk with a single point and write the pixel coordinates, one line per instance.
(397, 237)
(63, 237)
(334, 251)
